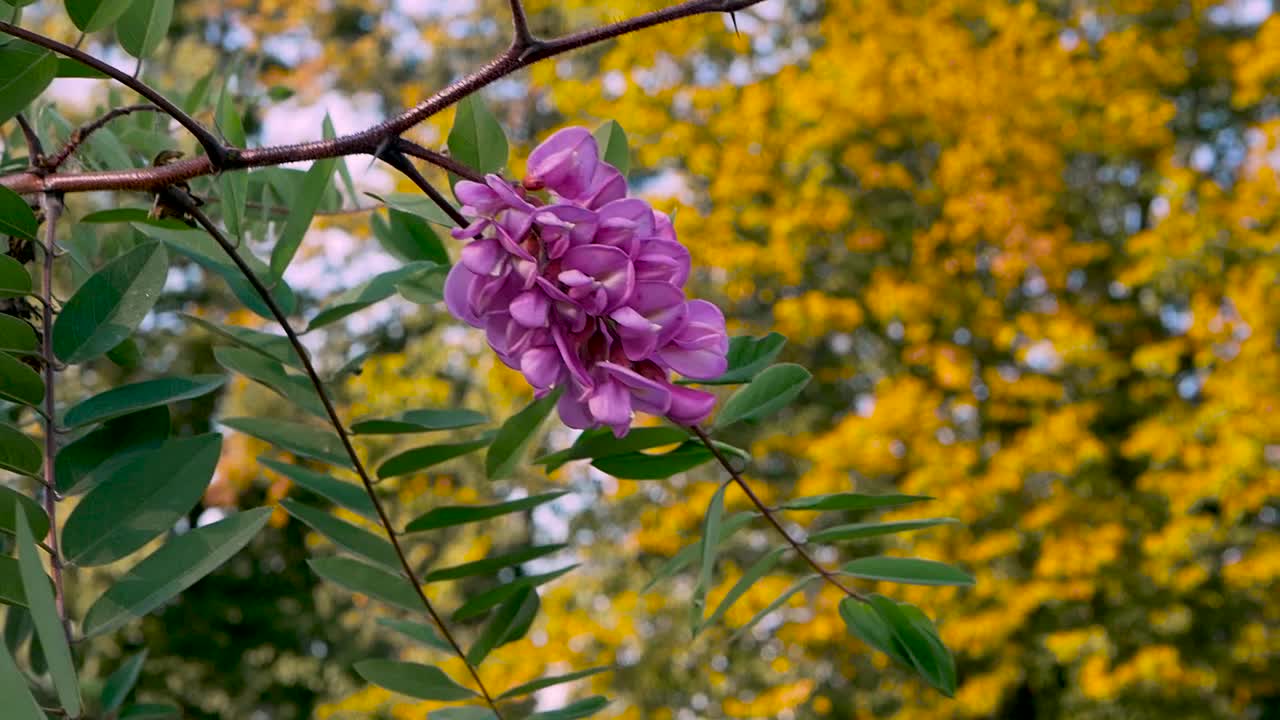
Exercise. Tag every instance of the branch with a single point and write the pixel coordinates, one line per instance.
(179, 200)
(82, 133)
(398, 161)
(520, 24)
(366, 142)
(773, 519)
(35, 151)
(52, 206)
(439, 159)
(213, 147)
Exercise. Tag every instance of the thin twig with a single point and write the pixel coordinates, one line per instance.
(439, 159)
(216, 151)
(180, 200)
(398, 161)
(82, 133)
(368, 141)
(52, 205)
(771, 517)
(520, 24)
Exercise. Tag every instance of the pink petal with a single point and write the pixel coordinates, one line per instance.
(689, 406)
(530, 308)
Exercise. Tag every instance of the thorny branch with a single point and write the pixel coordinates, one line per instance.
(82, 133)
(52, 206)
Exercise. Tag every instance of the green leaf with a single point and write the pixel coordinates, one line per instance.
(424, 457)
(409, 238)
(14, 278)
(480, 604)
(82, 464)
(274, 347)
(419, 681)
(53, 637)
(498, 627)
(643, 466)
(68, 68)
(11, 502)
(94, 15)
(343, 494)
(853, 531)
(354, 539)
(709, 545)
(117, 215)
(747, 357)
(19, 383)
(945, 662)
(150, 711)
(851, 501)
(917, 643)
(17, 335)
(126, 355)
(546, 682)
(297, 389)
(25, 71)
(514, 436)
(777, 603)
(126, 399)
(109, 305)
(418, 421)
(574, 711)
(16, 216)
(141, 500)
(493, 563)
(911, 571)
(366, 579)
(426, 288)
(176, 566)
(450, 515)
(758, 569)
(613, 146)
(419, 632)
(601, 442)
(465, 712)
(18, 452)
(476, 138)
(377, 289)
(771, 391)
(121, 682)
(419, 205)
(301, 212)
(689, 553)
(296, 438)
(15, 696)
(143, 26)
(864, 623)
(11, 592)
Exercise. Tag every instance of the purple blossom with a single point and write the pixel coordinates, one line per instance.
(578, 286)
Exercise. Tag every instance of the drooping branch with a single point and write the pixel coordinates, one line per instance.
(365, 142)
(181, 200)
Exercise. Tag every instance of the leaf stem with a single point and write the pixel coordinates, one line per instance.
(769, 515)
(180, 200)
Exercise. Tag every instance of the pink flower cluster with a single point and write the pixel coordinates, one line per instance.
(577, 285)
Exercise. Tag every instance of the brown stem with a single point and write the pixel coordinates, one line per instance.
(398, 161)
(52, 205)
(438, 159)
(212, 146)
(520, 25)
(180, 200)
(769, 515)
(368, 142)
(82, 133)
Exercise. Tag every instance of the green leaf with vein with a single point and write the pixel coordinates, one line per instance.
(94, 15)
(499, 626)
(377, 289)
(15, 281)
(17, 336)
(425, 634)
(515, 435)
(11, 592)
(600, 442)
(476, 138)
(747, 357)
(613, 146)
(419, 205)
(16, 216)
(274, 347)
(758, 569)
(910, 571)
(359, 577)
(301, 211)
(295, 388)
(121, 682)
(15, 696)
(297, 438)
(864, 623)
(465, 712)
(126, 399)
(109, 305)
(343, 494)
(176, 566)
(768, 393)
(19, 383)
(13, 502)
(707, 553)
(25, 71)
(18, 452)
(493, 563)
(551, 681)
(408, 237)
(480, 604)
(413, 679)
(143, 27)
(424, 457)
(354, 539)
(574, 711)
(644, 466)
(778, 602)
(917, 644)
(141, 500)
(82, 464)
(418, 421)
(851, 501)
(691, 552)
(450, 515)
(855, 531)
(53, 637)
